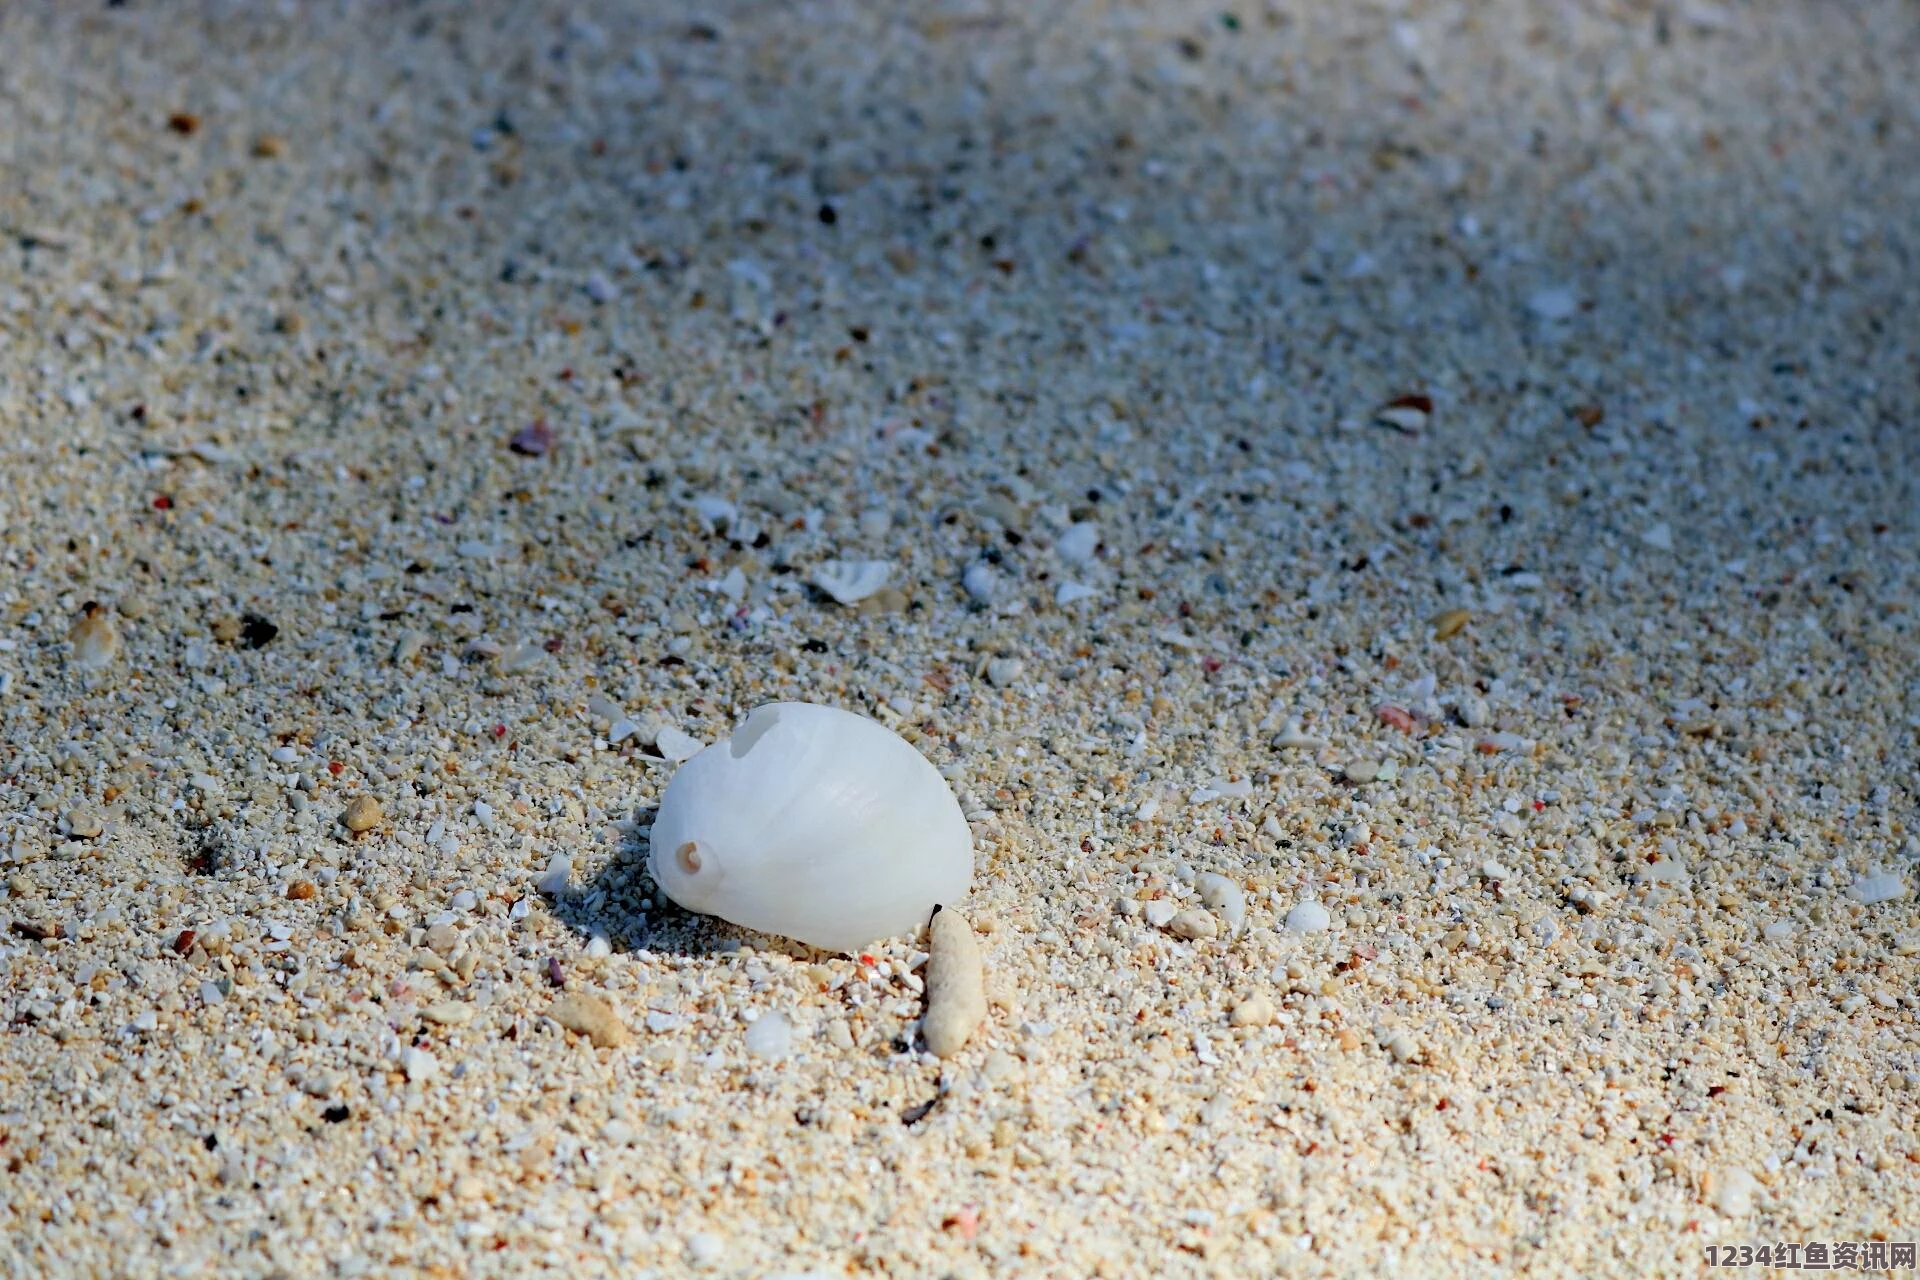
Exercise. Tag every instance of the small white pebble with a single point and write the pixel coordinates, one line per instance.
(1193, 925)
(705, 1248)
(1308, 917)
(1078, 543)
(1255, 1011)
(1733, 1192)
(1002, 672)
(770, 1036)
(980, 582)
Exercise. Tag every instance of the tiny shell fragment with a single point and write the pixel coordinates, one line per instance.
(956, 986)
(1449, 624)
(851, 581)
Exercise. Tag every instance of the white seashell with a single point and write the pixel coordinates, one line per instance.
(812, 823)
(851, 581)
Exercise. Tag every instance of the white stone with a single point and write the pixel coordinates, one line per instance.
(1072, 593)
(1002, 672)
(705, 1248)
(1554, 303)
(1733, 1192)
(1193, 925)
(980, 582)
(1308, 917)
(1079, 542)
(770, 1036)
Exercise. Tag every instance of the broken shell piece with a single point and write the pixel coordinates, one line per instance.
(956, 985)
(851, 581)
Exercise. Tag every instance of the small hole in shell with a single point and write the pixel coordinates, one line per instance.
(688, 856)
(752, 731)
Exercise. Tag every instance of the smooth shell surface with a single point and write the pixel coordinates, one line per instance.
(815, 824)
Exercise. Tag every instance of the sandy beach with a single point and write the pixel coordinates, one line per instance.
(1396, 521)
